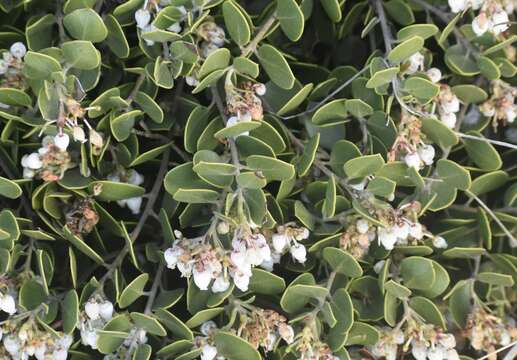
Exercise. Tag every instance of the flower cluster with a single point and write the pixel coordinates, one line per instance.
(11, 66)
(82, 217)
(213, 37)
(448, 106)
(401, 227)
(310, 347)
(22, 340)
(243, 102)
(50, 161)
(151, 8)
(262, 328)
(501, 105)
(287, 239)
(206, 262)
(486, 331)
(425, 341)
(492, 16)
(409, 145)
(133, 177)
(97, 312)
(69, 118)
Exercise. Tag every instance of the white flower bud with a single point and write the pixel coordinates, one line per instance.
(299, 253)
(452, 354)
(79, 134)
(260, 89)
(191, 81)
(419, 351)
(106, 310)
(434, 74)
(89, 338)
(221, 284)
(401, 231)
(142, 17)
(28, 173)
(18, 50)
(449, 119)
(416, 62)
(279, 242)
(427, 153)
(223, 228)
(32, 161)
(12, 345)
(378, 266)
(362, 226)
(439, 242)
(61, 141)
(92, 310)
(448, 341)
(207, 327)
(413, 160)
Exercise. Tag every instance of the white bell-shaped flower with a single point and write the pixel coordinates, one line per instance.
(449, 119)
(62, 141)
(202, 278)
(241, 280)
(32, 161)
(78, 134)
(387, 238)
(362, 226)
(106, 310)
(134, 204)
(142, 18)
(221, 284)
(436, 353)
(7, 304)
(439, 242)
(427, 153)
(260, 89)
(209, 352)
(481, 24)
(299, 253)
(500, 22)
(60, 354)
(280, 242)
(435, 75)
(413, 160)
(419, 350)
(458, 5)
(416, 231)
(92, 310)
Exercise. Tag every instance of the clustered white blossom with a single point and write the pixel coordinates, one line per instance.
(486, 331)
(96, 313)
(409, 146)
(50, 161)
(205, 263)
(11, 66)
(21, 341)
(426, 342)
(492, 16)
(132, 177)
(144, 17)
(244, 103)
(448, 106)
(259, 327)
(401, 227)
(287, 239)
(501, 106)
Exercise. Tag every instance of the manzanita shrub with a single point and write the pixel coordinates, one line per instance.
(266, 179)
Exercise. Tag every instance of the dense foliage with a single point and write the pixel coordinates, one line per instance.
(258, 179)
